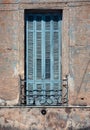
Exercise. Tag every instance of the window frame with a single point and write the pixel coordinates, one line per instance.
(65, 39)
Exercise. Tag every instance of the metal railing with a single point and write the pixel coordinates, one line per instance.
(44, 97)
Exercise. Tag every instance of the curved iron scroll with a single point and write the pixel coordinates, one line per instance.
(50, 98)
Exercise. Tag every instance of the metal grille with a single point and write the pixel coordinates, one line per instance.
(43, 97)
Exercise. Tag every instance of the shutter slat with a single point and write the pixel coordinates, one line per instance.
(30, 55)
(47, 23)
(47, 45)
(30, 22)
(38, 24)
(55, 22)
(39, 56)
(56, 55)
(47, 55)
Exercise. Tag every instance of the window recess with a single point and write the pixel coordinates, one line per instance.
(43, 84)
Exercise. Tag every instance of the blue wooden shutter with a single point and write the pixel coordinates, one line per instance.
(43, 59)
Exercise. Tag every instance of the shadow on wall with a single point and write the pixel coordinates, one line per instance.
(7, 128)
(2, 127)
(85, 128)
(13, 128)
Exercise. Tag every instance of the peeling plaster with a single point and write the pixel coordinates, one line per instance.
(71, 83)
(9, 102)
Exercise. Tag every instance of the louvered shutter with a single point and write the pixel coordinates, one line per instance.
(43, 59)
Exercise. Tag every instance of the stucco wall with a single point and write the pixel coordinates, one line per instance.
(75, 48)
(55, 119)
(75, 64)
(9, 55)
(79, 49)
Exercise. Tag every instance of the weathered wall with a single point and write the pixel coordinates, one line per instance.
(9, 55)
(79, 49)
(75, 64)
(75, 48)
(55, 119)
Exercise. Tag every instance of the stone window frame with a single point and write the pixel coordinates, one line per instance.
(65, 45)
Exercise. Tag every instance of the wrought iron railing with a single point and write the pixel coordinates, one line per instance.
(44, 97)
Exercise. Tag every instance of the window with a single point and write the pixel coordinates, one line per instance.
(43, 58)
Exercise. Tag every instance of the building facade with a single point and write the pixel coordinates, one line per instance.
(44, 44)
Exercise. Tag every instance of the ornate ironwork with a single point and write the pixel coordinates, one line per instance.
(44, 97)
